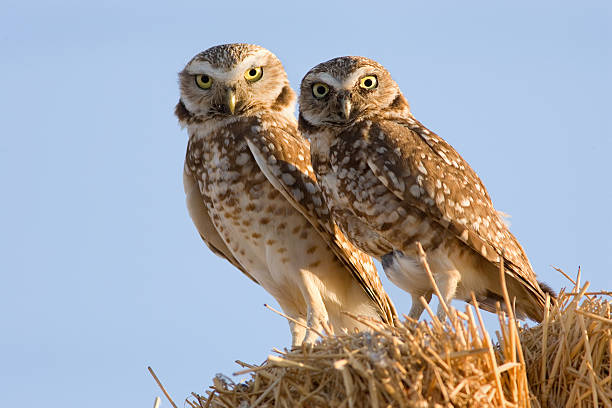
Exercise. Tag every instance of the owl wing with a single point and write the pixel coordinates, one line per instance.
(284, 158)
(196, 204)
(427, 174)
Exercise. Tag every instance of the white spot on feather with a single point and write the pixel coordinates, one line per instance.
(242, 159)
(310, 188)
(298, 194)
(444, 158)
(288, 179)
(421, 168)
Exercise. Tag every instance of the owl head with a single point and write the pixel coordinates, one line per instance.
(232, 80)
(345, 89)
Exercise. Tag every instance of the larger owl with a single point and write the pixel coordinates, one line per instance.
(253, 196)
(391, 182)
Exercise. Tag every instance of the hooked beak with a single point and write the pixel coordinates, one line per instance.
(230, 100)
(345, 107)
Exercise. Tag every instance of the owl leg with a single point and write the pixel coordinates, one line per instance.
(447, 284)
(417, 307)
(316, 311)
(405, 270)
(298, 331)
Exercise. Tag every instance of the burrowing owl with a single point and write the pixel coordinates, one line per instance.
(391, 182)
(253, 196)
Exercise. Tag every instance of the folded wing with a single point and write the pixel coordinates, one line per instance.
(285, 160)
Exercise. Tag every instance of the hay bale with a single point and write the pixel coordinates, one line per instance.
(569, 356)
(565, 361)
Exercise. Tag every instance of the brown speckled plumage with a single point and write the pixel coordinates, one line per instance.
(391, 182)
(226, 56)
(253, 195)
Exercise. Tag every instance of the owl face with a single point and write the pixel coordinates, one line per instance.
(344, 89)
(234, 79)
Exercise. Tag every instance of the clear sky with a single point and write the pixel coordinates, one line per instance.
(102, 271)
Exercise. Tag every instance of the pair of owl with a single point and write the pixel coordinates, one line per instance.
(301, 208)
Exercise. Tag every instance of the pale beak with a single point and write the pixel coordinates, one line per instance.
(230, 100)
(345, 105)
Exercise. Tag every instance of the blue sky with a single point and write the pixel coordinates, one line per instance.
(102, 271)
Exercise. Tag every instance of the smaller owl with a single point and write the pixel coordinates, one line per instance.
(253, 196)
(391, 182)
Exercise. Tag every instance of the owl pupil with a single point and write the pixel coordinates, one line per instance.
(252, 72)
(320, 90)
(368, 82)
(205, 78)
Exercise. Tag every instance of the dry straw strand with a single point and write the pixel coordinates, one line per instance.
(161, 386)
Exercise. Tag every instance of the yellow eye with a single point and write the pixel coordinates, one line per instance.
(253, 74)
(368, 82)
(203, 81)
(319, 90)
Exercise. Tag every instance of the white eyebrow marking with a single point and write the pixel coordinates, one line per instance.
(221, 74)
(327, 79)
(346, 83)
(349, 82)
